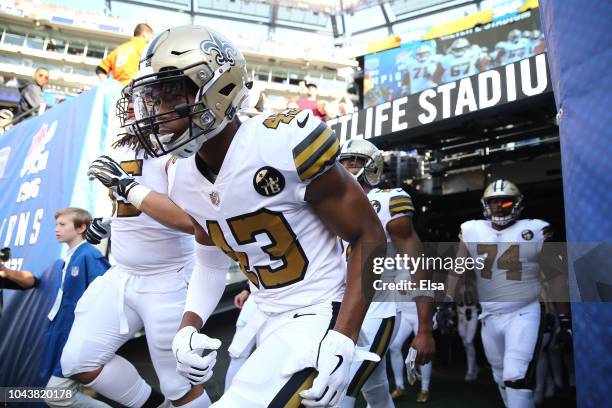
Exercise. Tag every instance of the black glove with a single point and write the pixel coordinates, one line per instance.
(564, 336)
(98, 230)
(111, 174)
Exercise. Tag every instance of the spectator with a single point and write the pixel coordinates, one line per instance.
(6, 120)
(12, 279)
(31, 93)
(123, 61)
(82, 264)
(340, 106)
(310, 102)
(13, 82)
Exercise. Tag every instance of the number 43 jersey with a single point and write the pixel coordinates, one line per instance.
(510, 278)
(255, 210)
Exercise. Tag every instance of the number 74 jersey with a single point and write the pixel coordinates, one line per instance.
(255, 210)
(510, 277)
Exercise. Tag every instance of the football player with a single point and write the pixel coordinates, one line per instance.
(244, 302)
(145, 289)
(409, 322)
(514, 49)
(467, 324)
(268, 194)
(508, 287)
(460, 62)
(418, 72)
(394, 208)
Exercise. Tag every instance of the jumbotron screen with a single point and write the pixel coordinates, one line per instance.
(416, 66)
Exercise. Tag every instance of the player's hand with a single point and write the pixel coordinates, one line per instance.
(240, 298)
(98, 230)
(425, 347)
(564, 335)
(332, 358)
(188, 347)
(2, 270)
(111, 174)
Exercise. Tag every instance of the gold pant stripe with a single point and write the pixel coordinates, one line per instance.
(379, 346)
(289, 395)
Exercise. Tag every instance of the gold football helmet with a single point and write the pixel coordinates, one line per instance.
(510, 204)
(372, 158)
(190, 83)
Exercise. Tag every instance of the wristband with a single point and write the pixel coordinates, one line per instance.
(137, 194)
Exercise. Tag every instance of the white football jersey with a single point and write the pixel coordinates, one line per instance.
(513, 52)
(255, 210)
(402, 206)
(421, 73)
(139, 243)
(391, 204)
(456, 68)
(510, 278)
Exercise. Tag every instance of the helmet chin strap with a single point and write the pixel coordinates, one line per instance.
(360, 177)
(190, 148)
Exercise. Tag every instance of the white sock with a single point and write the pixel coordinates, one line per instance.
(541, 378)
(397, 365)
(426, 376)
(348, 402)
(378, 396)
(120, 382)
(470, 353)
(554, 357)
(519, 398)
(203, 401)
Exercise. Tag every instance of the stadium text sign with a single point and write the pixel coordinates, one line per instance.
(509, 83)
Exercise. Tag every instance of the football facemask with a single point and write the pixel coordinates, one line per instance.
(167, 118)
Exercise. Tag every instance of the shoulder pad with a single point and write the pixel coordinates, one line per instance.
(467, 225)
(317, 147)
(400, 203)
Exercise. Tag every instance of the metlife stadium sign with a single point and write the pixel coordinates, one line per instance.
(507, 84)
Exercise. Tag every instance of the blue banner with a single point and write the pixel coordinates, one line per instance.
(43, 164)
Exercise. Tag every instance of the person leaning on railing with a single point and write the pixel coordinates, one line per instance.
(31, 93)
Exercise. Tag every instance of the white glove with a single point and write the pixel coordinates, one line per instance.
(188, 347)
(98, 230)
(332, 358)
(414, 372)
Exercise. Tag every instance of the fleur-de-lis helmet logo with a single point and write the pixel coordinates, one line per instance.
(225, 51)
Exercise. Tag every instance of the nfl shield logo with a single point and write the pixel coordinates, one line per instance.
(214, 198)
(74, 272)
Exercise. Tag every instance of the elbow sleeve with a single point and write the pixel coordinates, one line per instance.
(207, 281)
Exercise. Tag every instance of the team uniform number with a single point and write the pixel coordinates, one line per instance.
(509, 261)
(284, 247)
(123, 208)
